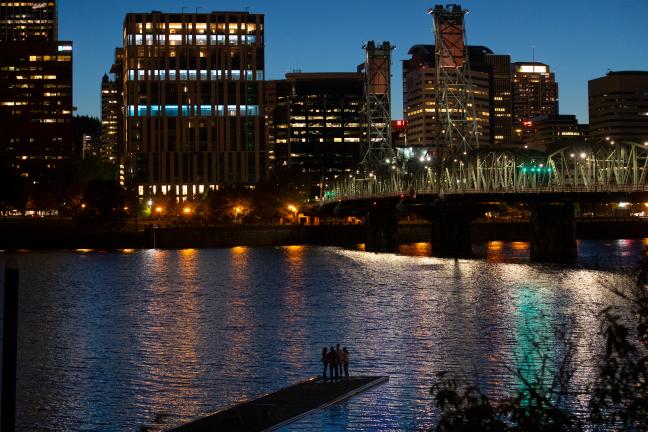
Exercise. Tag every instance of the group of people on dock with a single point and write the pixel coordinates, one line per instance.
(337, 362)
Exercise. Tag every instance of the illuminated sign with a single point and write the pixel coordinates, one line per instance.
(527, 123)
(532, 69)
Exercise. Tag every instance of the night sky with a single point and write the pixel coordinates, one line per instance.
(579, 39)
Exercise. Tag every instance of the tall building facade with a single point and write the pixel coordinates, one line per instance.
(618, 107)
(35, 91)
(25, 20)
(535, 93)
(315, 127)
(419, 95)
(550, 133)
(110, 115)
(193, 101)
(501, 109)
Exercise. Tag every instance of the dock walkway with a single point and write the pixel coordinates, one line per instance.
(274, 410)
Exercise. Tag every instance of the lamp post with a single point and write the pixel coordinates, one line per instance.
(294, 210)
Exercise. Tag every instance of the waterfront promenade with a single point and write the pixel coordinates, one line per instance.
(56, 234)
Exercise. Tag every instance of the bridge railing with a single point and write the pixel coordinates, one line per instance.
(406, 191)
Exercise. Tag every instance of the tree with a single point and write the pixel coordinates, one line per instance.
(618, 397)
(103, 202)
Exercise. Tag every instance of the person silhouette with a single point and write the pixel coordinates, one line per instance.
(345, 362)
(333, 363)
(325, 361)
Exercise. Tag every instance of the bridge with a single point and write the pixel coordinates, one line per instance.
(454, 190)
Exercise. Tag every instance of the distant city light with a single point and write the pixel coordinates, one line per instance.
(623, 204)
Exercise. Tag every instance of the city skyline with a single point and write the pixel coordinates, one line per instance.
(574, 53)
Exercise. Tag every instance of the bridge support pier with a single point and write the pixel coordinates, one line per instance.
(553, 232)
(382, 227)
(451, 232)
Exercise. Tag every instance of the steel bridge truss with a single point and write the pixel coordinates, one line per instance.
(456, 116)
(377, 68)
(619, 167)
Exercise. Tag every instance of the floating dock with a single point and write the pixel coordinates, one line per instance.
(274, 410)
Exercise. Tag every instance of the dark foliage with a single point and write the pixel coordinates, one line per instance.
(618, 398)
(84, 125)
(103, 203)
(620, 395)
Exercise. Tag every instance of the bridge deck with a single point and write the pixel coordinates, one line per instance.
(287, 405)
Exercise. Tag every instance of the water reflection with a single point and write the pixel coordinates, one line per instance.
(416, 249)
(116, 341)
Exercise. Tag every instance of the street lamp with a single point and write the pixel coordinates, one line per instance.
(293, 209)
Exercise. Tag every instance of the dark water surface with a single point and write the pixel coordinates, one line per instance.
(116, 341)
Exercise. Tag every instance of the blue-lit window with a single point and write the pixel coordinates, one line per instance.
(138, 39)
(252, 110)
(155, 110)
(162, 74)
(221, 110)
(250, 39)
(204, 75)
(193, 74)
(231, 110)
(248, 75)
(161, 39)
(183, 75)
(149, 39)
(140, 74)
(142, 111)
(131, 74)
(259, 75)
(131, 111)
(172, 74)
(171, 110)
(236, 75)
(233, 39)
(205, 110)
(185, 111)
(217, 39)
(201, 39)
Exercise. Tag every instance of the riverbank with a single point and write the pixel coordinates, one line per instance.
(64, 234)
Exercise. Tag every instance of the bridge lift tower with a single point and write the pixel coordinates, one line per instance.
(378, 151)
(456, 119)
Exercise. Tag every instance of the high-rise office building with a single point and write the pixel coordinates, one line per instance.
(501, 114)
(315, 127)
(419, 94)
(26, 20)
(35, 90)
(110, 115)
(535, 92)
(553, 132)
(618, 107)
(193, 98)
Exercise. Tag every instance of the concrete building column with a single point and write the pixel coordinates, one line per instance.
(553, 232)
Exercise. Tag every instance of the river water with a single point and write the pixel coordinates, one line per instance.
(146, 339)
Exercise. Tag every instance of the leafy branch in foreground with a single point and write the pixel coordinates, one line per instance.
(620, 394)
(618, 398)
